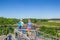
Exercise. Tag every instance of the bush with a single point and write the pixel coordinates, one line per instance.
(48, 30)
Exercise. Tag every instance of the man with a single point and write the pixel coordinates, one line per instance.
(20, 24)
(29, 25)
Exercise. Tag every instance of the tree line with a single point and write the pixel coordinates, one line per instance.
(6, 25)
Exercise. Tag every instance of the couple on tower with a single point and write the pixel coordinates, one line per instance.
(29, 24)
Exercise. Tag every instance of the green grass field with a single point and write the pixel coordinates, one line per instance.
(50, 24)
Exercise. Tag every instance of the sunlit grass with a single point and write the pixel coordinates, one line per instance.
(50, 24)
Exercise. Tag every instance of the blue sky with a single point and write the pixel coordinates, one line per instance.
(30, 8)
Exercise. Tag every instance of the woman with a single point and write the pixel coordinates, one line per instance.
(20, 24)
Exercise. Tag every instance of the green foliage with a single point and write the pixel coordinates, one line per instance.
(6, 25)
(4, 30)
(25, 20)
(8, 21)
(44, 20)
(50, 24)
(49, 30)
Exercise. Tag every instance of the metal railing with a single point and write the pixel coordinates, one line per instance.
(20, 35)
(47, 36)
(42, 35)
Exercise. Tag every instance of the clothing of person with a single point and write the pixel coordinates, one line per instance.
(29, 25)
(20, 24)
(9, 37)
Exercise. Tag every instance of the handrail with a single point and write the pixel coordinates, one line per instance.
(49, 35)
(22, 34)
(3, 37)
